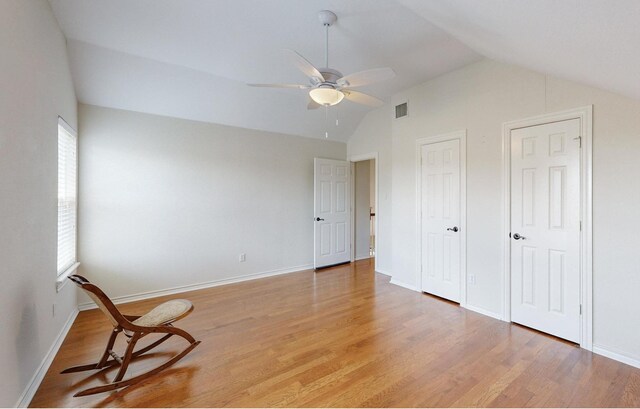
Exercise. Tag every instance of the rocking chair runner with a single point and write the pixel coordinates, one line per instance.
(157, 321)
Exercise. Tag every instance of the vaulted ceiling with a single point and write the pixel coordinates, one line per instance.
(596, 42)
(192, 58)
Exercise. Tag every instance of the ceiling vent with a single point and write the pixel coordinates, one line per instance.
(401, 110)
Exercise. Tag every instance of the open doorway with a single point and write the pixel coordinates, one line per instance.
(364, 199)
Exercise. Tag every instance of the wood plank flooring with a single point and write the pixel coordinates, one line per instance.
(343, 337)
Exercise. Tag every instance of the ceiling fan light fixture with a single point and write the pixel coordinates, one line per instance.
(326, 96)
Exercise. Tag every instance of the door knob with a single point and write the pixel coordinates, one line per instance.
(319, 219)
(453, 229)
(517, 236)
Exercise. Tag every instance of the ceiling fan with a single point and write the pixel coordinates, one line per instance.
(328, 87)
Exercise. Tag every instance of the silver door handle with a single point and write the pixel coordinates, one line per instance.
(453, 229)
(517, 236)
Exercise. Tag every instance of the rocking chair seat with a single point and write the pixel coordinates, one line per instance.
(165, 313)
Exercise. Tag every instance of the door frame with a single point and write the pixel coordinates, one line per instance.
(585, 115)
(359, 158)
(460, 135)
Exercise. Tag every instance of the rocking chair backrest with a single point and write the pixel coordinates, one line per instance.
(100, 298)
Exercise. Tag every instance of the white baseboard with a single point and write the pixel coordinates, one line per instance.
(482, 311)
(616, 356)
(181, 289)
(358, 258)
(384, 272)
(34, 383)
(404, 285)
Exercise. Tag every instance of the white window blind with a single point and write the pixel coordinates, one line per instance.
(67, 195)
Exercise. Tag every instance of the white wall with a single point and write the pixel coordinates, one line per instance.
(479, 98)
(167, 202)
(374, 135)
(362, 196)
(35, 87)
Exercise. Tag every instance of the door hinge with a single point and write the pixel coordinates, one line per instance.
(580, 309)
(580, 225)
(579, 138)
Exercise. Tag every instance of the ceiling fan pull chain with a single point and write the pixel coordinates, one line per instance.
(337, 111)
(326, 121)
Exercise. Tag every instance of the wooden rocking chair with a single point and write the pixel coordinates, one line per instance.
(156, 321)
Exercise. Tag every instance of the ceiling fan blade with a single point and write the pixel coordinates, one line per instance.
(313, 104)
(359, 79)
(298, 86)
(364, 99)
(305, 66)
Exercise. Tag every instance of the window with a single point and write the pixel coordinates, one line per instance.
(67, 196)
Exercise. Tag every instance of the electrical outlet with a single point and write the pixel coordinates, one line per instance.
(472, 279)
(243, 257)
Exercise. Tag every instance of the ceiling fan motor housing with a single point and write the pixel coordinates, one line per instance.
(330, 75)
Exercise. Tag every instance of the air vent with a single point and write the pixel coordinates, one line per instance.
(401, 110)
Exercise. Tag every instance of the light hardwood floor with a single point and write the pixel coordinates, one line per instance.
(344, 337)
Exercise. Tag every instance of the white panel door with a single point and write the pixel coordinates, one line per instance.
(440, 222)
(332, 221)
(545, 228)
